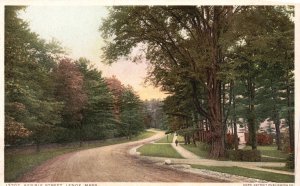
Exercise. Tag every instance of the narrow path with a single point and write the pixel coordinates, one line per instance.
(182, 151)
(191, 158)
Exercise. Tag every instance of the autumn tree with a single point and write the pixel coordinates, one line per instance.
(14, 131)
(116, 88)
(69, 90)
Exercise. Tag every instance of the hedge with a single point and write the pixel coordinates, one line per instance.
(244, 155)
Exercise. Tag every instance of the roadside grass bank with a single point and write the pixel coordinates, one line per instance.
(263, 175)
(17, 164)
(270, 151)
(159, 150)
(166, 139)
(279, 168)
(273, 155)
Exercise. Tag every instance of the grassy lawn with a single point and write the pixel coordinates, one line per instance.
(18, 164)
(199, 150)
(166, 139)
(159, 150)
(263, 175)
(271, 151)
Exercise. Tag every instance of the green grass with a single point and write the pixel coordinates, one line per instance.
(19, 163)
(279, 168)
(267, 159)
(159, 150)
(263, 175)
(143, 135)
(200, 150)
(166, 139)
(271, 151)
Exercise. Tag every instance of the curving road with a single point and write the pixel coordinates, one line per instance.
(108, 164)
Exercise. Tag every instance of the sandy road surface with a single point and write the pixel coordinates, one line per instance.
(108, 164)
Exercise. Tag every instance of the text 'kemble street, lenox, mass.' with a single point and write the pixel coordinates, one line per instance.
(51, 184)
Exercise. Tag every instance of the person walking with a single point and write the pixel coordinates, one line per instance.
(176, 142)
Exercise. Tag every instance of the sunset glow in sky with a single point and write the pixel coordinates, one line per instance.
(76, 27)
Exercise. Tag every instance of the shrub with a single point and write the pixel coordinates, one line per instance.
(264, 139)
(244, 155)
(290, 164)
(229, 141)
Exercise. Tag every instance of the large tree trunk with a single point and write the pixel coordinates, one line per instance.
(251, 116)
(217, 146)
(214, 106)
(277, 128)
(236, 142)
(210, 32)
(276, 116)
(290, 119)
(224, 120)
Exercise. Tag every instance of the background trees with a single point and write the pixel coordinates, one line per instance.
(98, 119)
(131, 115)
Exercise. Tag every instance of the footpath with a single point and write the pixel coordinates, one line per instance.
(190, 158)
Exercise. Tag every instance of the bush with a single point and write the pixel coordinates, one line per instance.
(229, 141)
(264, 139)
(290, 164)
(244, 155)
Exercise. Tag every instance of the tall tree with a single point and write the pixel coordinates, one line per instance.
(116, 88)
(69, 89)
(98, 119)
(179, 40)
(199, 45)
(259, 54)
(29, 60)
(131, 113)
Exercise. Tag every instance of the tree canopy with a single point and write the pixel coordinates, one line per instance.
(202, 50)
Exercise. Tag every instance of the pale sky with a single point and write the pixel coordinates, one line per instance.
(76, 27)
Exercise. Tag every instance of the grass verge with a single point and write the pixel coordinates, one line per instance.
(18, 164)
(279, 168)
(159, 150)
(263, 175)
(200, 150)
(270, 151)
(166, 139)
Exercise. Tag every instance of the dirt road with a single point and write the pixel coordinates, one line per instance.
(108, 164)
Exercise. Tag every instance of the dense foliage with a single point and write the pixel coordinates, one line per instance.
(52, 98)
